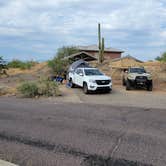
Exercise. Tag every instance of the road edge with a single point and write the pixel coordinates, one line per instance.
(6, 163)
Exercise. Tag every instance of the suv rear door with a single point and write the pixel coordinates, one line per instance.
(79, 76)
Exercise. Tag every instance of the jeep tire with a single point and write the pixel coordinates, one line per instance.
(123, 82)
(150, 87)
(128, 86)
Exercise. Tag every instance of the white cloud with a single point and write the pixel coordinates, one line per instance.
(163, 34)
(76, 20)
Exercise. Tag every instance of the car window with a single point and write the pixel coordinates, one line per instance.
(78, 71)
(90, 72)
(137, 70)
(81, 71)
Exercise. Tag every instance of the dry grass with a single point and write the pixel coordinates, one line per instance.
(5, 90)
(34, 70)
(8, 85)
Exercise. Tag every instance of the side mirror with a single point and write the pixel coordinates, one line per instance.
(81, 74)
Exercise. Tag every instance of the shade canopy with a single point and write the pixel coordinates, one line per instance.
(79, 63)
(81, 55)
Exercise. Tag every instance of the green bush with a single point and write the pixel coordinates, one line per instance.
(3, 67)
(20, 64)
(28, 89)
(43, 87)
(48, 88)
(58, 64)
(162, 58)
(66, 51)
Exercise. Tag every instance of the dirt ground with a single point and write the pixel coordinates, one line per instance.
(118, 97)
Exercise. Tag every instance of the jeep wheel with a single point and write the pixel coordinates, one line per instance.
(123, 82)
(128, 86)
(85, 88)
(149, 88)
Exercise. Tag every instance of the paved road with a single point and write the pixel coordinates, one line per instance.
(34, 132)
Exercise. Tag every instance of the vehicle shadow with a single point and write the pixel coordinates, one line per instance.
(99, 92)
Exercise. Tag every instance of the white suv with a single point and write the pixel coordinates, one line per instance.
(90, 79)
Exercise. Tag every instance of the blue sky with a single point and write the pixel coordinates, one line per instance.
(32, 29)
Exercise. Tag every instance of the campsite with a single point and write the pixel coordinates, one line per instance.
(82, 83)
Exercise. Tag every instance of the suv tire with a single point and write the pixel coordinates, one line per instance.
(85, 88)
(128, 86)
(109, 91)
(72, 84)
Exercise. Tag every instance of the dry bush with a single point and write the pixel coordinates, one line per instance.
(42, 87)
(5, 90)
(163, 67)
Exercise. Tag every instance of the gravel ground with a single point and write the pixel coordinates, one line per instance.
(118, 97)
(34, 132)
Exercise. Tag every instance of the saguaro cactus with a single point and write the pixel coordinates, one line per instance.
(102, 50)
(101, 45)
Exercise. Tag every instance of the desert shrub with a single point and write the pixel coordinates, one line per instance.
(5, 90)
(28, 89)
(20, 64)
(48, 88)
(66, 51)
(58, 66)
(163, 67)
(43, 87)
(3, 66)
(162, 58)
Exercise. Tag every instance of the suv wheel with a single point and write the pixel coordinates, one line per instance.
(109, 91)
(72, 85)
(128, 86)
(85, 88)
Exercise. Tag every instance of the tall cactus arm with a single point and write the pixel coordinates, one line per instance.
(102, 50)
(99, 36)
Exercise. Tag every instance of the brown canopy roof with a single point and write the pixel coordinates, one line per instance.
(81, 55)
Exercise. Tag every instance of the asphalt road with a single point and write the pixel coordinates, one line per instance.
(38, 133)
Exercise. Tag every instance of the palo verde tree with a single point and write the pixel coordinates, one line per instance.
(59, 64)
(3, 66)
(100, 45)
(162, 58)
(66, 51)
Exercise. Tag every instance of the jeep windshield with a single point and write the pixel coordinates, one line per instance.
(137, 70)
(92, 72)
